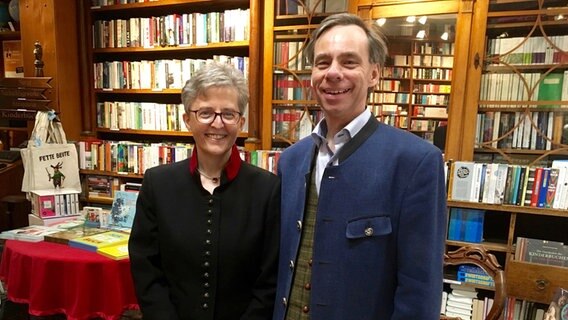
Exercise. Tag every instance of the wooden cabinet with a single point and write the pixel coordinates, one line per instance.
(415, 87)
(53, 24)
(511, 59)
(502, 226)
(290, 109)
(139, 57)
(518, 61)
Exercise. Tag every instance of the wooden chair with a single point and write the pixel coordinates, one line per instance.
(477, 255)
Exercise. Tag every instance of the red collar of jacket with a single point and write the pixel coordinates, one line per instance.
(231, 169)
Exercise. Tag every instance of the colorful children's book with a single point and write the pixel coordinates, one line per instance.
(117, 252)
(63, 237)
(100, 240)
(123, 209)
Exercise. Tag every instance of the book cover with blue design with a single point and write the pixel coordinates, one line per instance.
(123, 209)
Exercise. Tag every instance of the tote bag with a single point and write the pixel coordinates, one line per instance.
(49, 161)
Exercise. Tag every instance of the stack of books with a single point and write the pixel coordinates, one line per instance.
(460, 302)
(53, 206)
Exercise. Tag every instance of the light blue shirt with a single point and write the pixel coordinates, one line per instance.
(326, 156)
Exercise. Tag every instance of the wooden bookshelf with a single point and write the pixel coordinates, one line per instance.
(290, 109)
(115, 40)
(479, 28)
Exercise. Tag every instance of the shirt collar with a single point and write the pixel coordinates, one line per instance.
(231, 169)
(352, 128)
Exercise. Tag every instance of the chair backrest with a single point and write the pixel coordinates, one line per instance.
(477, 255)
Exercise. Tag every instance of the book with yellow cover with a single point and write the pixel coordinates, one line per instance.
(115, 252)
(100, 240)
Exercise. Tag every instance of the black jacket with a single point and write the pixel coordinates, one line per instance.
(200, 256)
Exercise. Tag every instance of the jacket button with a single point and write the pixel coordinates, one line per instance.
(299, 225)
(284, 301)
(305, 309)
(291, 264)
(310, 262)
(307, 286)
(205, 306)
(369, 231)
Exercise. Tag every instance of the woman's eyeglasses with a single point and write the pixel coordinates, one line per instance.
(206, 116)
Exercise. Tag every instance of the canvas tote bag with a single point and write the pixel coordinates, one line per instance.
(49, 161)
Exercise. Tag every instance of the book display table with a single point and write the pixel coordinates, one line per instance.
(53, 279)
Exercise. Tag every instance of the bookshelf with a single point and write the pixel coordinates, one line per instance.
(513, 112)
(291, 110)
(415, 88)
(488, 77)
(139, 57)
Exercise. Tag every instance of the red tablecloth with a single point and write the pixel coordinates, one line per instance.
(54, 278)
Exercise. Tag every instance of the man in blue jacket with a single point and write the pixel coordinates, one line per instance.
(363, 203)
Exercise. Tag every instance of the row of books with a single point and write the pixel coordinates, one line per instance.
(429, 111)
(463, 302)
(294, 124)
(156, 74)
(517, 309)
(398, 119)
(290, 54)
(105, 187)
(266, 159)
(116, 115)
(523, 87)
(292, 87)
(499, 183)
(540, 251)
(425, 125)
(395, 72)
(466, 225)
(432, 74)
(435, 47)
(128, 157)
(185, 29)
(426, 60)
(55, 203)
(532, 50)
(392, 97)
(386, 96)
(536, 130)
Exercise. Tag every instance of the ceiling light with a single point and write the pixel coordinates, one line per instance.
(381, 21)
(445, 36)
(421, 34)
(410, 19)
(422, 19)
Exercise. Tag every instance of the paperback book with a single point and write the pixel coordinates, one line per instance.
(123, 209)
(100, 240)
(63, 237)
(117, 252)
